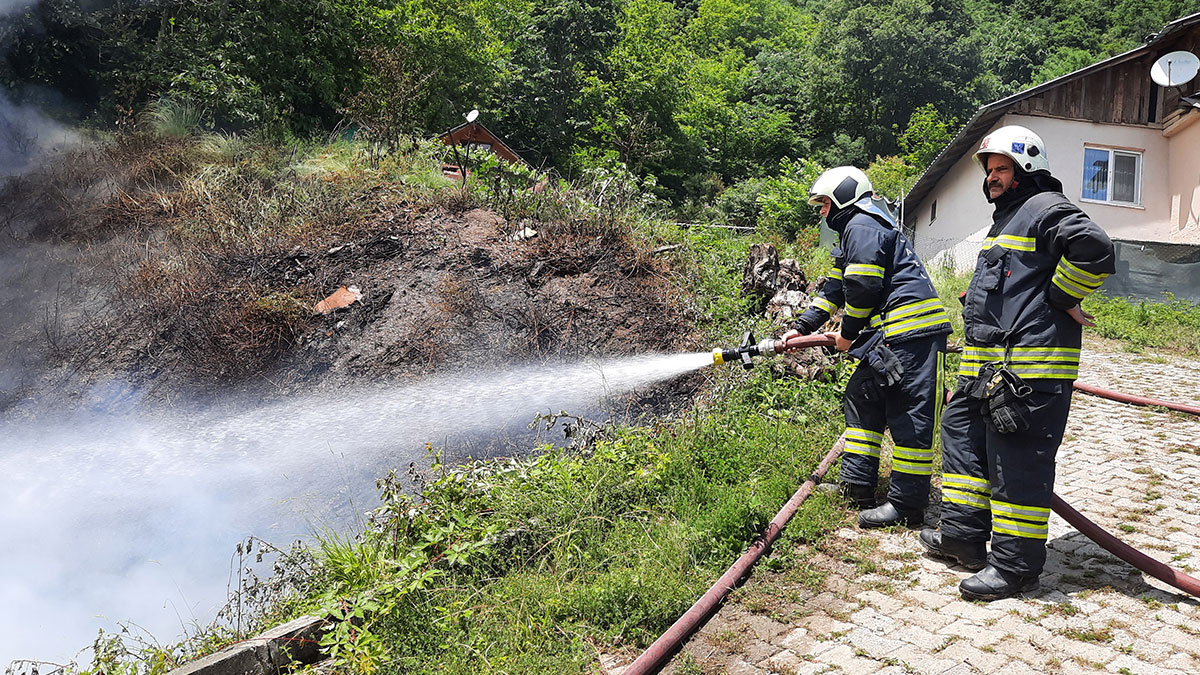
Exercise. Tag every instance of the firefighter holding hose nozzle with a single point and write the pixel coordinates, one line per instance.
(1023, 328)
(896, 325)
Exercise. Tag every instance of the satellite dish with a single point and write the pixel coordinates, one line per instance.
(1174, 69)
(474, 114)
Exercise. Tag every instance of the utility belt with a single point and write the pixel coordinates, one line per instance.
(1005, 394)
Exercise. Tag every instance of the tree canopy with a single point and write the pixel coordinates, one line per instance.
(701, 95)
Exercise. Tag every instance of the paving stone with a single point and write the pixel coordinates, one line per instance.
(1175, 638)
(819, 649)
(928, 599)
(797, 640)
(886, 604)
(1128, 664)
(785, 661)
(924, 618)
(1185, 662)
(876, 646)
(740, 667)
(1092, 652)
(917, 637)
(973, 612)
(972, 632)
(872, 620)
(758, 650)
(923, 661)
(766, 628)
(822, 625)
(987, 662)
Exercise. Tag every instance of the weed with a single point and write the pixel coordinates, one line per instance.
(1091, 634)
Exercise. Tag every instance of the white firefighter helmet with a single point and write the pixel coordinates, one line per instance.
(1024, 147)
(843, 185)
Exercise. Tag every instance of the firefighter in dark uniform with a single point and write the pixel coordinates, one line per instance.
(1023, 329)
(896, 325)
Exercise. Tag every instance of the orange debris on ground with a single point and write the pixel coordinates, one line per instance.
(342, 297)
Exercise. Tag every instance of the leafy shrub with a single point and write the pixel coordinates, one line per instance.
(783, 199)
(739, 202)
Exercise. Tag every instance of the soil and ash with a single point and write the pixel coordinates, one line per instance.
(95, 321)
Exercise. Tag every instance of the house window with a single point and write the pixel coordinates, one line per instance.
(933, 212)
(1113, 176)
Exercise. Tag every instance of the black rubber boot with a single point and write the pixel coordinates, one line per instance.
(971, 555)
(860, 496)
(887, 514)
(993, 584)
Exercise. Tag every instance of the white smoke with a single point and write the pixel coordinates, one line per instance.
(122, 518)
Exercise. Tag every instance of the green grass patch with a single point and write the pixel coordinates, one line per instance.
(1171, 324)
(526, 562)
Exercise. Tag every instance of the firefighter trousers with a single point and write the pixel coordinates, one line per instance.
(909, 408)
(999, 486)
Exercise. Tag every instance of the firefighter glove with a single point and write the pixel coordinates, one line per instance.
(1006, 395)
(888, 369)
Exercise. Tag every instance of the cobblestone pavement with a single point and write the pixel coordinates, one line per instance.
(882, 607)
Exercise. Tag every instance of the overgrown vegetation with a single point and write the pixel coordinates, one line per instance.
(1171, 324)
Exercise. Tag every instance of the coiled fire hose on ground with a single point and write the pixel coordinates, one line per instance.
(659, 653)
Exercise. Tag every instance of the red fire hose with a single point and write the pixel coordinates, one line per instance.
(1136, 400)
(657, 655)
(1143, 562)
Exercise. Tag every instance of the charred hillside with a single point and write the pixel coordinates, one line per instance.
(144, 268)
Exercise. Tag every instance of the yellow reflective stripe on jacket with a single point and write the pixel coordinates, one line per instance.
(824, 305)
(836, 273)
(912, 308)
(857, 312)
(1046, 363)
(965, 498)
(1084, 277)
(916, 461)
(1011, 242)
(864, 270)
(914, 316)
(1074, 281)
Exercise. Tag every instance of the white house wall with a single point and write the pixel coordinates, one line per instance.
(1184, 221)
(962, 211)
(963, 214)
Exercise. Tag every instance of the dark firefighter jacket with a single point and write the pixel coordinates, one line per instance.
(879, 280)
(1041, 257)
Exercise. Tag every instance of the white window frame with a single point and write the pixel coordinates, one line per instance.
(1112, 153)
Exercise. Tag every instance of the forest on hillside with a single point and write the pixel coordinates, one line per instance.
(708, 100)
